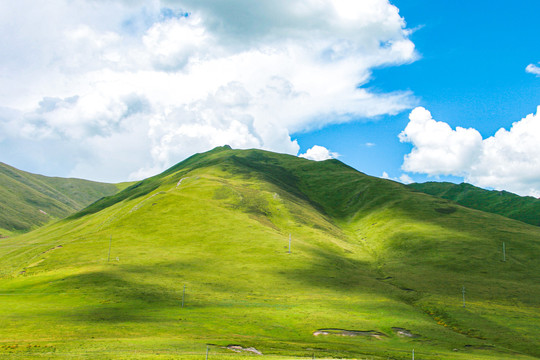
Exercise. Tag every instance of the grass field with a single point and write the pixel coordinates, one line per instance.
(27, 201)
(522, 208)
(368, 256)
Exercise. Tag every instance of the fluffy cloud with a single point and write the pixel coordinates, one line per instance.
(174, 42)
(533, 69)
(174, 77)
(404, 178)
(439, 150)
(319, 153)
(509, 160)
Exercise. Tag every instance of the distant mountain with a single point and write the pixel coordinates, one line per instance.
(29, 200)
(252, 251)
(522, 208)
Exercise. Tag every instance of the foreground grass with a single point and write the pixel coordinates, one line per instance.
(367, 255)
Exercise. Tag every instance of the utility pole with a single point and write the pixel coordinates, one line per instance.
(412, 354)
(183, 294)
(109, 257)
(463, 291)
(207, 353)
(289, 243)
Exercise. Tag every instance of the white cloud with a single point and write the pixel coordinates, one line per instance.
(319, 153)
(174, 42)
(533, 69)
(438, 149)
(181, 76)
(404, 178)
(509, 160)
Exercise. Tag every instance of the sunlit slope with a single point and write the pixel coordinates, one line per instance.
(522, 208)
(29, 200)
(366, 254)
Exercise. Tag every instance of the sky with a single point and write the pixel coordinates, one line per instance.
(409, 90)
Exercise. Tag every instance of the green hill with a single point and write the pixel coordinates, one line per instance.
(198, 258)
(522, 208)
(28, 201)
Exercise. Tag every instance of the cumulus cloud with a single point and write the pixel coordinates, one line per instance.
(180, 76)
(319, 153)
(438, 149)
(174, 42)
(508, 160)
(404, 178)
(533, 69)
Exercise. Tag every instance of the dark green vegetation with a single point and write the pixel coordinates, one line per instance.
(522, 208)
(376, 270)
(28, 201)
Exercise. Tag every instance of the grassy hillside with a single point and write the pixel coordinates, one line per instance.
(28, 200)
(375, 270)
(522, 208)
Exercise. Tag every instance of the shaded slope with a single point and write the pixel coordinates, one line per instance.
(29, 200)
(367, 254)
(522, 208)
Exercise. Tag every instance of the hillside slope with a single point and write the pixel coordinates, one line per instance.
(522, 208)
(28, 200)
(199, 257)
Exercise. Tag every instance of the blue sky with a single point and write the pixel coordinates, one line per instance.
(471, 74)
(407, 89)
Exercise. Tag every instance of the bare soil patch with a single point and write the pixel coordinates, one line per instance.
(401, 332)
(344, 332)
(239, 348)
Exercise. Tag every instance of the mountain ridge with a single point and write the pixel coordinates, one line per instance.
(522, 208)
(30, 200)
(366, 256)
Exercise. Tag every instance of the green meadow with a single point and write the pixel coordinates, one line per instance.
(28, 201)
(522, 208)
(198, 259)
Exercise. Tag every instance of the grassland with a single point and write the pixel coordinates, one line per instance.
(366, 254)
(28, 201)
(522, 208)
